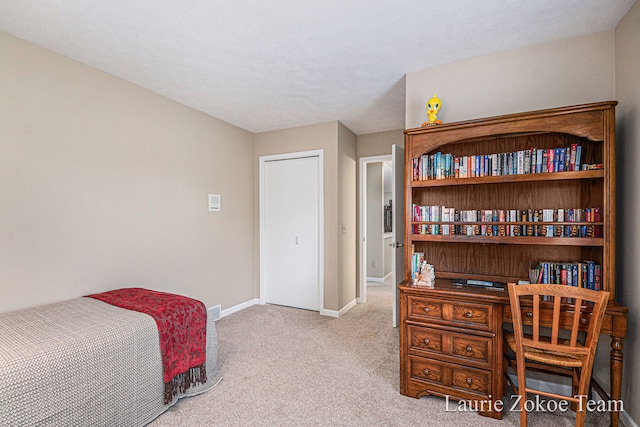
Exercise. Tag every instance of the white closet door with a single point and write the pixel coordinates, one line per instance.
(291, 212)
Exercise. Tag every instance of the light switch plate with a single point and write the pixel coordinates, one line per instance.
(214, 203)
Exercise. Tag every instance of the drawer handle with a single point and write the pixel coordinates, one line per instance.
(426, 309)
(468, 314)
(427, 341)
(469, 349)
(584, 320)
(469, 381)
(426, 371)
(529, 314)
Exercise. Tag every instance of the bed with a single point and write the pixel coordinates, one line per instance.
(87, 362)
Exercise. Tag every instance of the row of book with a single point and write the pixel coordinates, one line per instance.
(535, 160)
(586, 274)
(554, 222)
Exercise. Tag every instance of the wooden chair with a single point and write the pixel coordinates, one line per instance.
(573, 309)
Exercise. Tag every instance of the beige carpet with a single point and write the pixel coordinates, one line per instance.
(288, 367)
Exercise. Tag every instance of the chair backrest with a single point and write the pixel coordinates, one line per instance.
(570, 311)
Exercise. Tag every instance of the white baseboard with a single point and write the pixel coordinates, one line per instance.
(231, 310)
(380, 279)
(343, 310)
(256, 301)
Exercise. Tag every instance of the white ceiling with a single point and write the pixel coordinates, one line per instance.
(266, 65)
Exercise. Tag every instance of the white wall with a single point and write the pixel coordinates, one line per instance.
(347, 195)
(567, 72)
(104, 185)
(379, 144)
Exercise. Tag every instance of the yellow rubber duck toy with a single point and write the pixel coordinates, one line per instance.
(433, 106)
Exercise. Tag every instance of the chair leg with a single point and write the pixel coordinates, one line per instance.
(523, 412)
(581, 411)
(522, 391)
(584, 387)
(575, 388)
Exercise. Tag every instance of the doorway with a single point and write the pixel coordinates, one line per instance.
(380, 243)
(291, 232)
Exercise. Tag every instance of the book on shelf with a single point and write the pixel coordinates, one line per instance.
(534, 160)
(586, 274)
(446, 221)
(416, 260)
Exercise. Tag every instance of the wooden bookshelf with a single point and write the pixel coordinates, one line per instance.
(590, 126)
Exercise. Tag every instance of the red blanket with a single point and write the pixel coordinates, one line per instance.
(182, 327)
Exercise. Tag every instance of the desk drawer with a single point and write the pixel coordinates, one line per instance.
(461, 348)
(471, 380)
(448, 378)
(475, 348)
(566, 318)
(427, 370)
(472, 314)
(426, 309)
(424, 339)
(463, 314)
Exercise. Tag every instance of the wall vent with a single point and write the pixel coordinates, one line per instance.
(214, 312)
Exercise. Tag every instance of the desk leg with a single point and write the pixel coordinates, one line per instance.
(615, 362)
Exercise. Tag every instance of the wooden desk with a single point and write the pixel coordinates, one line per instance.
(486, 307)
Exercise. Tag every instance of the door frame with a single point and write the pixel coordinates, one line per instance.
(262, 235)
(362, 215)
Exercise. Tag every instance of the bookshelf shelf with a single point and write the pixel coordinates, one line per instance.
(512, 240)
(530, 177)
